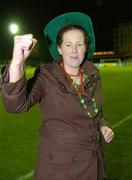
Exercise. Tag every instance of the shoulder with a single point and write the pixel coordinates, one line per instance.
(91, 69)
(46, 71)
(42, 68)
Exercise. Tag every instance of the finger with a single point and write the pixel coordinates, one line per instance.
(26, 36)
(109, 137)
(20, 39)
(34, 41)
(24, 43)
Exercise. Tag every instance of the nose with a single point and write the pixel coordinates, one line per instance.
(74, 49)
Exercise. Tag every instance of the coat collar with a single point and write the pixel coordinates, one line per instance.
(88, 67)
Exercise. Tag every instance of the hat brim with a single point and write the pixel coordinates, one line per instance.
(54, 26)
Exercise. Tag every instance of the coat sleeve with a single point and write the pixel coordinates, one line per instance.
(23, 94)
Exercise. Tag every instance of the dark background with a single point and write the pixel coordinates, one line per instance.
(32, 16)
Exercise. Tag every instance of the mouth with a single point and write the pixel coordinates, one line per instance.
(74, 57)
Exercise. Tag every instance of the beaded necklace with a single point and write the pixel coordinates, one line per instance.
(79, 88)
(83, 102)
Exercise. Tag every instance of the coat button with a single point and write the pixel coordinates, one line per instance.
(90, 139)
(50, 156)
(94, 153)
(75, 158)
(90, 125)
(98, 137)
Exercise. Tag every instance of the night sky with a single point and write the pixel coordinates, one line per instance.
(32, 16)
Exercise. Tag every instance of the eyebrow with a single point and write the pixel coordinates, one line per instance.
(71, 42)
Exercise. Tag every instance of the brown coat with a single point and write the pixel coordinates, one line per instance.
(70, 147)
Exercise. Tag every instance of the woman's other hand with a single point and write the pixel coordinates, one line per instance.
(107, 133)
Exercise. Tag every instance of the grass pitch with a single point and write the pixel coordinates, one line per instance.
(19, 133)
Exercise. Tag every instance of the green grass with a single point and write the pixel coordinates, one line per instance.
(117, 96)
(19, 133)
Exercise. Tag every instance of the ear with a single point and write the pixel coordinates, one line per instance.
(59, 50)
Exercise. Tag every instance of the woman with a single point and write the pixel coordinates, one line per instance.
(68, 91)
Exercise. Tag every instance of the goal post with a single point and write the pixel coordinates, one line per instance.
(111, 62)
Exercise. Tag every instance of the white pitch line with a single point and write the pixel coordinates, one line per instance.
(26, 176)
(122, 121)
(30, 174)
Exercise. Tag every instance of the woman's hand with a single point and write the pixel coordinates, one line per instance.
(23, 46)
(107, 133)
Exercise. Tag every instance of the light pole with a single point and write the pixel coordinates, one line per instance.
(13, 27)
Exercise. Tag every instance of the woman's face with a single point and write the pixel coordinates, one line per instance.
(73, 48)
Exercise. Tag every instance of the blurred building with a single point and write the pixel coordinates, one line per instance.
(122, 38)
(122, 47)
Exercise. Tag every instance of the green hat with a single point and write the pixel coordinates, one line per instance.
(72, 18)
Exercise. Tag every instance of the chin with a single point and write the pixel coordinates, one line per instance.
(75, 65)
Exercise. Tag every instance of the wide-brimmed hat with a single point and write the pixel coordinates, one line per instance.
(71, 18)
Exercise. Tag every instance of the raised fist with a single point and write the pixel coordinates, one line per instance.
(23, 46)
